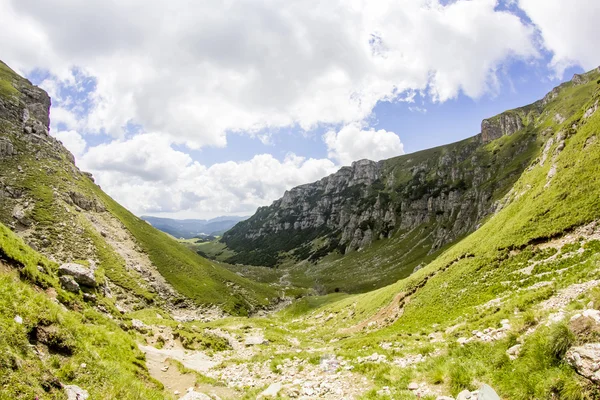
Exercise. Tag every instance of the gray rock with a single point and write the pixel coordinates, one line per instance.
(255, 340)
(272, 391)
(464, 395)
(586, 360)
(139, 325)
(86, 203)
(193, 395)
(504, 124)
(6, 148)
(487, 393)
(514, 351)
(82, 275)
(413, 386)
(75, 392)
(68, 283)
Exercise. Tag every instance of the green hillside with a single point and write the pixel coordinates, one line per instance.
(56, 207)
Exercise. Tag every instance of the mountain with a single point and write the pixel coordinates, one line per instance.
(59, 211)
(496, 239)
(190, 228)
(413, 206)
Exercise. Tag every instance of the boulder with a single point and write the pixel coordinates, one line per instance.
(464, 395)
(514, 351)
(195, 396)
(255, 340)
(75, 393)
(85, 203)
(487, 393)
(6, 148)
(68, 283)
(413, 386)
(139, 325)
(272, 391)
(586, 360)
(82, 275)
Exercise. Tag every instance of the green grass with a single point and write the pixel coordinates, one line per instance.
(192, 276)
(7, 76)
(114, 367)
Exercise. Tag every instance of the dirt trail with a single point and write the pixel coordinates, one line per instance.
(171, 378)
(196, 360)
(157, 362)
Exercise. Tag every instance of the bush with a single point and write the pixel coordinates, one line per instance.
(561, 339)
(460, 378)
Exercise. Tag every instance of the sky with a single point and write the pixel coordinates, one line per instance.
(195, 109)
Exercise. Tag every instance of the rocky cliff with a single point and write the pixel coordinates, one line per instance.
(444, 193)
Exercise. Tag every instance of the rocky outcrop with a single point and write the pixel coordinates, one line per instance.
(76, 393)
(437, 194)
(82, 275)
(586, 360)
(6, 148)
(501, 125)
(86, 203)
(69, 283)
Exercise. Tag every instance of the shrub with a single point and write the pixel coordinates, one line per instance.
(561, 338)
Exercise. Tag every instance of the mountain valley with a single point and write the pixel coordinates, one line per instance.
(470, 270)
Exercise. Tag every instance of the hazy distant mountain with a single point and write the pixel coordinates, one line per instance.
(189, 228)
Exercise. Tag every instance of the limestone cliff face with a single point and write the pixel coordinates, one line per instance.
(437, 195)
(442, 192)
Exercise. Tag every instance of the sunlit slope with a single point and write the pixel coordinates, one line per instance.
(60, 210)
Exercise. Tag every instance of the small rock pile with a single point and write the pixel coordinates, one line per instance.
(295, 378)
(488, 334)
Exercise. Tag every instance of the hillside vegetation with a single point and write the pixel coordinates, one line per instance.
(60, 210)
(484, 257)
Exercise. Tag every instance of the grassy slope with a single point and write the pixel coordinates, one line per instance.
(114, 367)
(70, 233)
(490, 169)
(479, 269)
(192, 275)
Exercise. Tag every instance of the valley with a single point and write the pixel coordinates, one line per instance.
(466, 271)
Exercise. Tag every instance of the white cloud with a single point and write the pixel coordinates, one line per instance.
(148, 176)
(352, 143)
(569, 29)
(73, 141)
(197, 70)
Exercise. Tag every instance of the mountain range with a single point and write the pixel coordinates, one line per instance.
(190, 228)
(471, 270)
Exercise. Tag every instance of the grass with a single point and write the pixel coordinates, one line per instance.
(7, 76)
(192, 276)
(114, 367)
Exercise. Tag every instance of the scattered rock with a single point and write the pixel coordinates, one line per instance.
(139, 326)
(409, 360)
(514, 351)
(374, 358)
(413, 386)
(464, 395)
(82, 275)
(487, 393)
(68, 283)
(195, 396)
(75, 393)
(255, 340)
(272, 391)
(18, 319)
(86, 203)
(586, 360)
